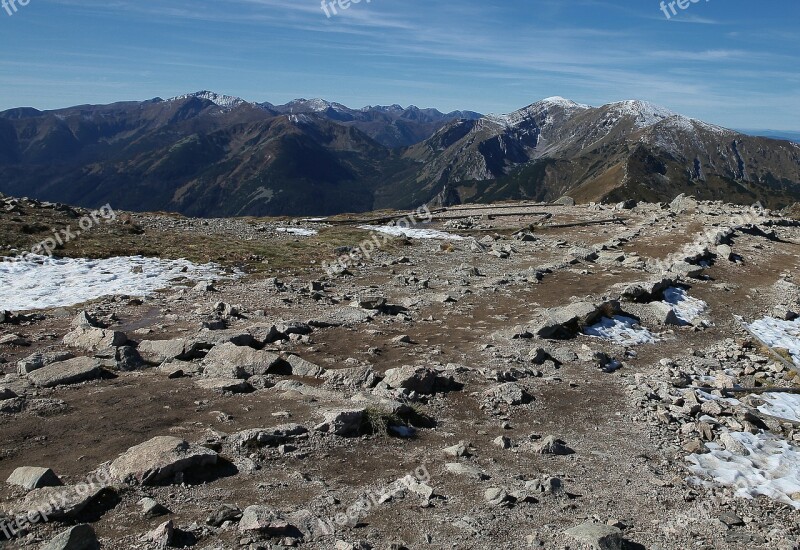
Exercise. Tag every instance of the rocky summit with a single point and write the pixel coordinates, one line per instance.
(516, 375)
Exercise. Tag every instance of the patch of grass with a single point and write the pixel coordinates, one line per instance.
(377, 422)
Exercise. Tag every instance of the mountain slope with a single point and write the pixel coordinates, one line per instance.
(207, 154)
(623, 150)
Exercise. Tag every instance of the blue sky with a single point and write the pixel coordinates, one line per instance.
(731, 62)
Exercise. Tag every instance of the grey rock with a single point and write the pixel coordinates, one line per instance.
(30, 477)
(267, 437)
(343, 422)
(466, 470)
(224, 385)
(159, 459)
(231, 361)
(152, 509)
(264, 520)
(419, 379)
(94, 339)
(39, 360)
(158, 351)
(226, 512)
(72, 371)
(79, 537)
(552, 446)
(598, 536)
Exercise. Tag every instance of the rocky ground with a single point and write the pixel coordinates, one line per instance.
(441, 393)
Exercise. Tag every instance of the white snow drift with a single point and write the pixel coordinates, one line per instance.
(779, 334)
(412, 233)
(40, 283)
(622, 330)
(753, 464)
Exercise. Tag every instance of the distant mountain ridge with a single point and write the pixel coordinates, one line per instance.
(208, 154)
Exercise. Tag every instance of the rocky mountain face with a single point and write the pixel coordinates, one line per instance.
(205, 154)
(619, 151)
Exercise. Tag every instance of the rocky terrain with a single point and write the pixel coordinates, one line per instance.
(507, 376)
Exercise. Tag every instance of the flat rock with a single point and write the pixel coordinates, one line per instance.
(267, 437)
(159, 459)
(39, 360)
(72, 371)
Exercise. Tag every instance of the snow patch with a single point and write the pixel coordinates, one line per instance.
(644, 113)
(622, 330)
(757, 464)
(781, 405)
(686, 308)
(43, 283)
(779, 334)
(299, 231)
(225, 101)
(412, 233)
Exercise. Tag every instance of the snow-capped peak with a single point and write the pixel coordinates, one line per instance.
(226, 101)
(559, 101)
(645, 113)
(540, 107)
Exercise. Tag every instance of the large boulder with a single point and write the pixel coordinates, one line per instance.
(158, 351)
(343, 422)
(30, 477)
(159, 459)
(94, 339)
(72, 371)
(60, 502)
(39, 360)
(300, 367)
(232, 361)
(566, 322)
(265, 521)
(419, 379)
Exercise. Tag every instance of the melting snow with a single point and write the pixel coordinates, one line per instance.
(299, 231)
(779, 334)
(621, 329)
(46, 282)
(412, 233)
(782, 405)
(757, 464)
(686, 308)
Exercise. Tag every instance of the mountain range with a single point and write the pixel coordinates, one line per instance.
(206, 154)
